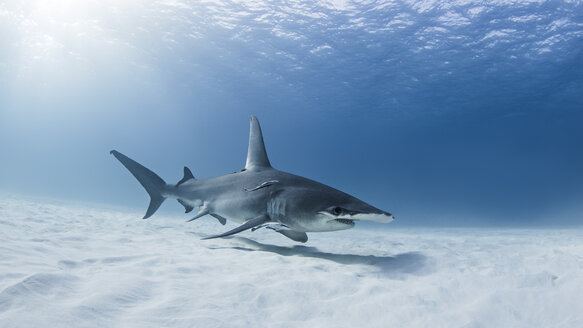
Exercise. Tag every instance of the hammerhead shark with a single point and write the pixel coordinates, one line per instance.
(259, 196)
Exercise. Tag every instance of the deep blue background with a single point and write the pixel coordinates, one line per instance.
(441, 112)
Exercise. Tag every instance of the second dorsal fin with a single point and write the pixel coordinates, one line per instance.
(256, 154)
(187, 176)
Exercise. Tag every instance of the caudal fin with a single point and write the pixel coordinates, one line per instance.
(150, 180)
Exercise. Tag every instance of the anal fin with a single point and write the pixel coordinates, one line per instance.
(187, 208)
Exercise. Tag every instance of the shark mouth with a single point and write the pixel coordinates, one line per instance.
(344, 221)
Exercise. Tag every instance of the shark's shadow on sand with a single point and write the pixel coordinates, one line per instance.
(395, 265)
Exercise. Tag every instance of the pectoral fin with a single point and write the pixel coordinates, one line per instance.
(247, 225)
(299, 236)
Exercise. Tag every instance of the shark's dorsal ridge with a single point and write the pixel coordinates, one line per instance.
(256, 154)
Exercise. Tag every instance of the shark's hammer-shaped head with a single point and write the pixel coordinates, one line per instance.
(338, 216)
(317, 207)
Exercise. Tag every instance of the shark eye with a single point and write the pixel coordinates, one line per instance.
(337, 210)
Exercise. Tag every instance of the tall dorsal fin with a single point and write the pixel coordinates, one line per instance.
(256, 154)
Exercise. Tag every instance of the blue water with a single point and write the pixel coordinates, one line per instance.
(441, 112)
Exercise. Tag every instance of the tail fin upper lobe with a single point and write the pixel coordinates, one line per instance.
(153, 184)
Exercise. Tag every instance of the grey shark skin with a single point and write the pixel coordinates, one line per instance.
(259, 196)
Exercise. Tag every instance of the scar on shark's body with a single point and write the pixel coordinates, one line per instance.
(259, 196)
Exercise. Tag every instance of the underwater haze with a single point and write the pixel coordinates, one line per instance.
(441, 112)
(464, 119)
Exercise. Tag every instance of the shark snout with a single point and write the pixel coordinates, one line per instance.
(380, 216)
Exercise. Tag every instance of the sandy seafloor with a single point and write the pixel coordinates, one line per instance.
(80, 266)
